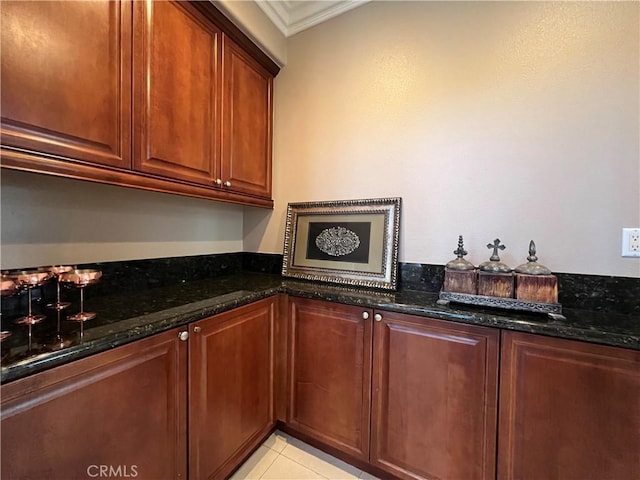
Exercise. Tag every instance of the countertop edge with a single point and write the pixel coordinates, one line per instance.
(185, 314)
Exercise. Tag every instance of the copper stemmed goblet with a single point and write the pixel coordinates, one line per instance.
(81, 279)
(30, 279)
(56, 271)
(58, 306)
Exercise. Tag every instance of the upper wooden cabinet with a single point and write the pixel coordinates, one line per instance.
(165, 96)
(66, 79)
(246, 126)
(176, 92)
(568, 410)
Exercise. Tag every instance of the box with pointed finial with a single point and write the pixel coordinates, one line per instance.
(460, 275)
(534, 282)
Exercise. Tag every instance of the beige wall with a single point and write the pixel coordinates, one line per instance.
(47, 221)
(516, 120)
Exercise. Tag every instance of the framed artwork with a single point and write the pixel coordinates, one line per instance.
(352, 242)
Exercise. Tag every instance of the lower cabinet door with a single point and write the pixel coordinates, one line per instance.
(329, 374)
(434, 398)
(121, 413)
(569, 410)
(231, 382)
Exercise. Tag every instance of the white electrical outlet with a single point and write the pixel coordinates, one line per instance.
(631, 242)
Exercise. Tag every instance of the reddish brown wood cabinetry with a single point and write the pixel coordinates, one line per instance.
(176, 92)
(125, 408)
(408, 395)
(329, 374)
(166, 96)
(246, 125)
(231, 387)
(200, 397)
(434, 384)
(569, 410)
(434, 398)
(66, 79)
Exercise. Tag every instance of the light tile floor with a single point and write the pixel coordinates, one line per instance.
(282, 457)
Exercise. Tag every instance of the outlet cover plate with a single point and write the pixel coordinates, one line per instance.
(631, 242)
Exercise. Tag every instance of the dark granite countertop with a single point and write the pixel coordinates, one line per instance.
(125, 317)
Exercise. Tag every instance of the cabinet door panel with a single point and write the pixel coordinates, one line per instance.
(330, 374)
(570, 410)
(176, 89)
(247, 112)
(66, 79)
(435, 398)
(231, 387)
(124, 408)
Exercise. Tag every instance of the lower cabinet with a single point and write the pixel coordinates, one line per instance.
(412, 396)
(569, 410)
(329, 374)
(124, 413)
(435, 387)
(231, 387)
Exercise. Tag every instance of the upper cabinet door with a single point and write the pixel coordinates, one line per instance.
(247, 123)
(72, 97)
(176, 91)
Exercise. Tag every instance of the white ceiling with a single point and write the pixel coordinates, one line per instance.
(293, 16)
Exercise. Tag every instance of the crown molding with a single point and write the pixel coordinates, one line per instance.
(291, 17)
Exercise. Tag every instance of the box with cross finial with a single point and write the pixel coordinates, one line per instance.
(495, 278)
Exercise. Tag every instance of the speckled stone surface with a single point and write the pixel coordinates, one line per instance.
(159, 300)
(121, 318)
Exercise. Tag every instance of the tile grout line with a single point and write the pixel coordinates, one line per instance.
(272, 462)
(281, 454)
(321, 459)
(304, 466)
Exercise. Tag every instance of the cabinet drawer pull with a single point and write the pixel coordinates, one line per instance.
(184, 335)
(365, 315)
(217, 181)
(197, 329)
(227, 184)
(377, 317)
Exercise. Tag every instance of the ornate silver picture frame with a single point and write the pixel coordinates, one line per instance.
(353, 242)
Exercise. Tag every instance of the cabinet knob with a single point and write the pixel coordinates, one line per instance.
(217, 181)
(197, 329)
(227, 184)
(184, 335)
(365, 315)
(377, 317)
